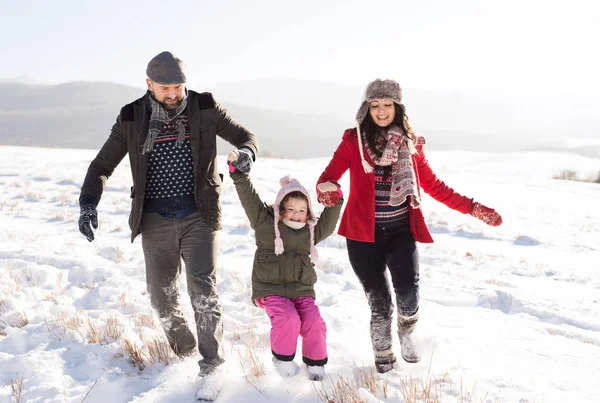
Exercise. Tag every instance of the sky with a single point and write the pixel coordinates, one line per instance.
(507, 314)
(509, 47)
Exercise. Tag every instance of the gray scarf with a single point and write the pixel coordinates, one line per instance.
(160, 117)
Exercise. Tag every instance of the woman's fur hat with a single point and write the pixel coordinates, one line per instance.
(377, 89)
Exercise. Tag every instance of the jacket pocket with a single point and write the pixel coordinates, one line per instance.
(305, 271)
(208, 136)
(132, 213)
(215, 179)
(266, 268)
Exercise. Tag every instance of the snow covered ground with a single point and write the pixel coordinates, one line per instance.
(508, 314)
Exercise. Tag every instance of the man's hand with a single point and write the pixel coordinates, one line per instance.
(88, 218)
(240, 160)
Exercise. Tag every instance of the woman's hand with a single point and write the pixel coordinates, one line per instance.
(328, 193)
(485, 214)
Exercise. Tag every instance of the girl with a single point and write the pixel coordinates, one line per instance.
(383, 219)
(283, 273)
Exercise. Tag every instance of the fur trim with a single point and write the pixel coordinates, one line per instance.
(383, 355)
(288, 185)
(407, 324)
(378, 89)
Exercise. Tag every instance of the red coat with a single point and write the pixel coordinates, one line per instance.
(358, 220)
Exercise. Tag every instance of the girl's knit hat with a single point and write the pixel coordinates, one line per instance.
(377, 89)
(288, 185)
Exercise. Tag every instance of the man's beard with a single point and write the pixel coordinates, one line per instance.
(167, 106)
(172, 106)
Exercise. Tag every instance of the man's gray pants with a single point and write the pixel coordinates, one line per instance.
(165, 243)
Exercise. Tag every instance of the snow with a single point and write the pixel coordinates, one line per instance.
(507, 314)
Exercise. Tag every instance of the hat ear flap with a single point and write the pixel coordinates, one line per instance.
(362, 112)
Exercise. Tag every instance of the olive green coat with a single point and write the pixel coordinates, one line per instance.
(291, 274)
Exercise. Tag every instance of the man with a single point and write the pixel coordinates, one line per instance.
(170, 136)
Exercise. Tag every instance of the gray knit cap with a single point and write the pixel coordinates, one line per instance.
(166, 68)
(378, 89)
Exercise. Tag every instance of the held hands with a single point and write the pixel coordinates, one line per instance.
(328, 193)
(240, 160)
(88, 218)
(485, 214)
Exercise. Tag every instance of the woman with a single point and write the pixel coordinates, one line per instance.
(383, 219)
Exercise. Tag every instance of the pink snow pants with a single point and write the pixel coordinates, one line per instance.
(293, 317)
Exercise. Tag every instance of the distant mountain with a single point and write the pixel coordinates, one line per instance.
(80, 115)
(448, 119)
(71, 115)
(292, 118)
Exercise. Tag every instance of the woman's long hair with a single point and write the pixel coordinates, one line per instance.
(369, 128)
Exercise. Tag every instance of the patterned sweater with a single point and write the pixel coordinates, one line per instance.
(170, 180)
(386, 215)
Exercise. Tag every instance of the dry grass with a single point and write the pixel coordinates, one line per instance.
(2, 306)
(144, 320)
(16, 278)
(89, 285)
(114, 328)
(368, 380)
(256, 367)
(30, 277)
(119, 256)
(159, 351)
(52, 297)
(20, 276)
(250, 360)
(341, 391)
(133, 353)
(92, 332)
(80, 327)
(18, 320)
(416, 390)
(17, 388)
(408, 390)
(62, 325)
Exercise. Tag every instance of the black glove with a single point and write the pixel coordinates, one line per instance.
(88, 216)
(243, 162)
